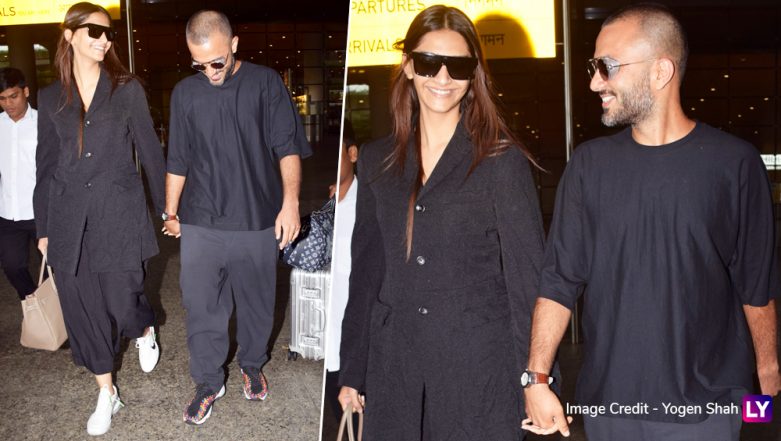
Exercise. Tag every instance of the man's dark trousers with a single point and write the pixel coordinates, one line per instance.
(15, 238)
(222, 269)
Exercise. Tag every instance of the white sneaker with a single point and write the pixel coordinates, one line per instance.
(100, 420)
(148, 351)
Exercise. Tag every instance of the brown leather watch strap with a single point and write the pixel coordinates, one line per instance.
(538, 378)
(530, 378)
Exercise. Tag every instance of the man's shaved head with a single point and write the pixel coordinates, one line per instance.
(204, 23)
(660, 28)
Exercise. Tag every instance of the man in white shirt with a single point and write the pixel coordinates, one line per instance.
(340, 284)
(18, 141)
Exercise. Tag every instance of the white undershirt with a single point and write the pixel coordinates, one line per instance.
(18, 141)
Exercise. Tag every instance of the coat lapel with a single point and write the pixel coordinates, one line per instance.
(458, 149)
(102, 93)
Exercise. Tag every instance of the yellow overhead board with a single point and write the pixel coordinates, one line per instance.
(19, 12)
(507, 28)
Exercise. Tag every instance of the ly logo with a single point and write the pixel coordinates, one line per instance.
(757, 409)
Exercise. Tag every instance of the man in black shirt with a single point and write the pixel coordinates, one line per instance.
(667, 228)
(237, 141)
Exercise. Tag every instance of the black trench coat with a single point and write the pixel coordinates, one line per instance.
(438, 342)
(101, 190)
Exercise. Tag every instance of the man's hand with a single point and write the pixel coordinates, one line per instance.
(544, 414)
(172, 228)
(287, 225)
(43, 245)
(769, 381)
(762, 323)
(350, 397)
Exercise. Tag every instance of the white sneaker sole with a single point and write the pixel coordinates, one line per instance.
(209, 413)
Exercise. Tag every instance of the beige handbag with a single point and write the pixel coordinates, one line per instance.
(347, 421)
(42, 325)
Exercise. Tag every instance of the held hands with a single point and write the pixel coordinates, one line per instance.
(544, 412)
(350, 397)
(287, 225)
(172, 228)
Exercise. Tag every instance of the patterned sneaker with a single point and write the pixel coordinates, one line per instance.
(255, 384)
(200, 408)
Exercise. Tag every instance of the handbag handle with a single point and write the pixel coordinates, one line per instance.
(347, 421)
(44, 267)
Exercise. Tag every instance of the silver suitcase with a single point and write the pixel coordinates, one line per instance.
(309, 292)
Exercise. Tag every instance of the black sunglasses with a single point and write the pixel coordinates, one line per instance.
(428, 65)
(96, 30)
(607, 67)
(216, 65)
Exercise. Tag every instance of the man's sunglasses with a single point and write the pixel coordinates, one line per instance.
(216, 65)
(607, 67)
(428, 65)
(96, 30)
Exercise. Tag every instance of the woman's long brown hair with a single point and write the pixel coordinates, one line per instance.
(63, 59)
(481, 117)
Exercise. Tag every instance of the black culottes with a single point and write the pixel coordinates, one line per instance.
(101, 308)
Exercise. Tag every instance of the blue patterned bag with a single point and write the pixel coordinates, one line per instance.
(311, 250)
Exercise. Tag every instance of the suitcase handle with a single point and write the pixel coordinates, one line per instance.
(321, 320)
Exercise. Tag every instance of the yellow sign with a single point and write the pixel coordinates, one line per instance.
(19, 12)
(507, 28)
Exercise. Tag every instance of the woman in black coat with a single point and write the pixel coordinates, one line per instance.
(90, 210)
(445, 253)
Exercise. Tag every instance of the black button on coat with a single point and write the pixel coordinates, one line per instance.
(458, 363)
(101, 189)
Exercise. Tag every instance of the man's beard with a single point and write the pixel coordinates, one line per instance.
(228, 72)
(636, 105)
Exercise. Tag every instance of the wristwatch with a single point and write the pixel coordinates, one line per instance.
(166, 217)
(529, 378)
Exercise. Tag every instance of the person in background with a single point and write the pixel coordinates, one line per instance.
(446, 250)
(91, 211)
(19, 128)
(340, 270)
(666, 228)
(234, 159)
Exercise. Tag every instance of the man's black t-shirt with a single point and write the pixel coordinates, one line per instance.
(668, 243)
(228, 140)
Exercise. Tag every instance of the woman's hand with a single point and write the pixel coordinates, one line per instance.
(172, 228)
(350, 397)
(43, 245)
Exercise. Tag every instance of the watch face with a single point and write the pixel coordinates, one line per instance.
(524, 379)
